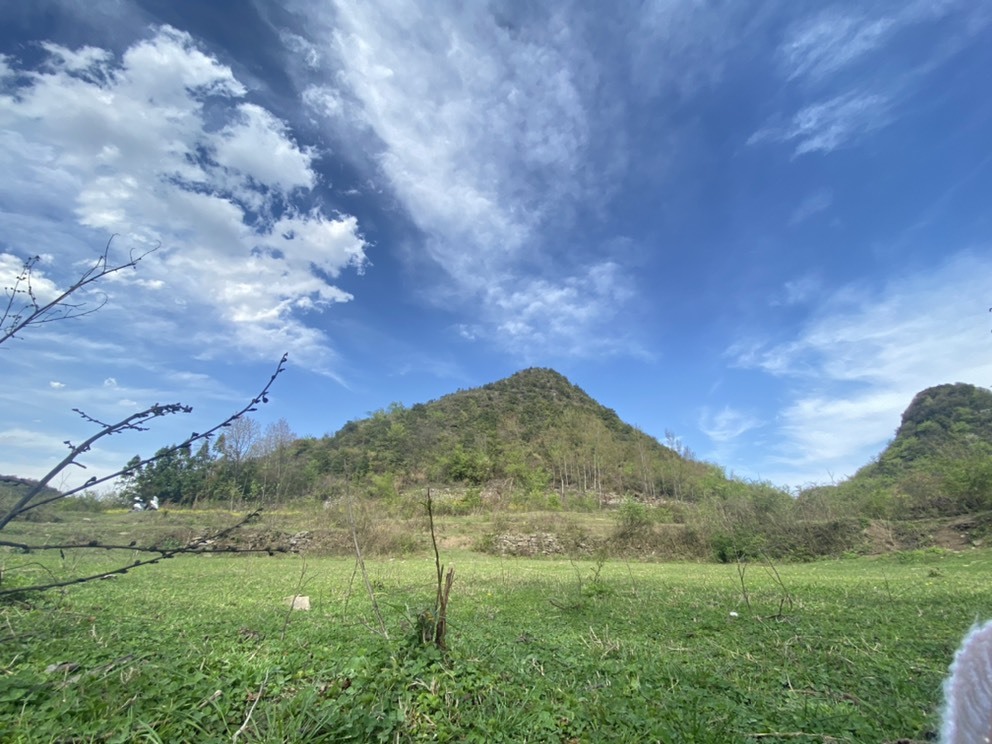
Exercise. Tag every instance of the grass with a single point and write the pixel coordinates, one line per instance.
(205, 649)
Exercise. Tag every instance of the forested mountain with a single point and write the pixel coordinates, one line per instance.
(529, 437)
(938, 463)
(955, 417)
(534, 431)
(534, 440)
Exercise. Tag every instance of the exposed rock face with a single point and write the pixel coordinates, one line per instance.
(537, 543)
(300, 541)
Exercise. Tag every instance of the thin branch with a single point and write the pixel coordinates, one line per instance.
(198, 545)
(437, 555)
(134, 422)
(15, 320)
(292, 602)
(361, 565)
(440, 628)
(786, 594)
(741, 570)
(93, 544)
(251, 710)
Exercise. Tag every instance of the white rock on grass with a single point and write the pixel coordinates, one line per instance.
(298, 602)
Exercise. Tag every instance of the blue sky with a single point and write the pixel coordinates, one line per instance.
(763, 226)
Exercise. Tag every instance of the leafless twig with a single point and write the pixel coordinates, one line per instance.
(251, 710)
(23, 308)
(361, 564)
(197, 545)
(134, 422)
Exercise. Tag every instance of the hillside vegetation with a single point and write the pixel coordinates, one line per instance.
(535, 443)
(12, 488)
(532, 434)
(939, 464)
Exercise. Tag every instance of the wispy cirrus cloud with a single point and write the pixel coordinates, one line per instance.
(726, 424)
(798, 291)
(860, 360)
(828, 125)
(498, 133)
(819, 201)
(824, 44)
(830, 59)
(831, 40)
(480, 129)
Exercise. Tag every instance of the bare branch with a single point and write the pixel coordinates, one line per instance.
(134, 422)
(23, 308)
(195, 546)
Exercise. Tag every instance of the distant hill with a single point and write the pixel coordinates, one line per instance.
(938, 464)
(946, 415)
(12, 488)
(952, 420)
(533, 430)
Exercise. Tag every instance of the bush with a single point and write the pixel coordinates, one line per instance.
(738, 546)
(633, 519)
(86, 502)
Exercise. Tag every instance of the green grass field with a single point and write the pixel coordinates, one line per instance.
(205, 649)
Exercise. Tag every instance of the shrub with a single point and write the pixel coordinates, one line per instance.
(633, 518)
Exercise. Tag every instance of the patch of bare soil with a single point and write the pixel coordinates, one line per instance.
(456, 542)
(880, 537)
(953, 533)
(963, 533)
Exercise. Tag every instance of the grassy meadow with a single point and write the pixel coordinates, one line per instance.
(205, 648)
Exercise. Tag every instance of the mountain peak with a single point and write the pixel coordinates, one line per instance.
(947, 412)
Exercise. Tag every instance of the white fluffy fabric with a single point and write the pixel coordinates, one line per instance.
(968, 691)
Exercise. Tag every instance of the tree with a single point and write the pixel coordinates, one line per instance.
(272, 451)
(25, 308)
(234, 447)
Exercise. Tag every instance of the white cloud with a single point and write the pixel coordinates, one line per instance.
(726, 424)
(682, 47)
(162, 147)
(466, 112)
(798, 291)
(824, 44)
(824, 52)
(536, 315)
(19, 287)
(828, 125)
(483, 128)
(56, 385)
(257, 146)
(858, 363)
(831, 40)
(26, 439)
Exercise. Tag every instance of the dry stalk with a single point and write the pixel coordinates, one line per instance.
(443, 587)
(361, 565)
(241, 730)
(741, 570)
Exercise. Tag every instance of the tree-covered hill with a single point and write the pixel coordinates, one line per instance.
(938, 464)
(534, 442)
(955, 416)
(534, 431)
(13, 488)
